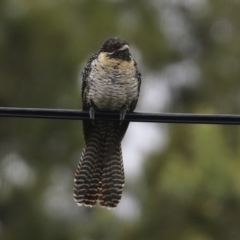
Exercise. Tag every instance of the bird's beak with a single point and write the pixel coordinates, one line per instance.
(123, 48)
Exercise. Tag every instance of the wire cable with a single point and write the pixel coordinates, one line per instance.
(228, 119)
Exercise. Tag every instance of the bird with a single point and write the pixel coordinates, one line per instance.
(110, 82)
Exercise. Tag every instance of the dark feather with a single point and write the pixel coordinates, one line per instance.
(100, 174)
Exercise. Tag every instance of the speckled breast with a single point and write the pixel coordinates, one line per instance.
(112, 83)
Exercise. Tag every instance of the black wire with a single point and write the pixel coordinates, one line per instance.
(134, 117)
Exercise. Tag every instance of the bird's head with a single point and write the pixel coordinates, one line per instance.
(116, 48)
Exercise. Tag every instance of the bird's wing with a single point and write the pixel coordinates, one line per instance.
(138, 78)
(85, 74)
(85, 105)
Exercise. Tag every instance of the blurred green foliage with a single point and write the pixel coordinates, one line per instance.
(188, 190)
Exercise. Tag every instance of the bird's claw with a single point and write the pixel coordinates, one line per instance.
(92, 114)
(122, 115)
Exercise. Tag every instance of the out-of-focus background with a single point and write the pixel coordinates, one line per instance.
(182, 181)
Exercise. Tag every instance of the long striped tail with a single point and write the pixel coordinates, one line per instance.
(100, 175)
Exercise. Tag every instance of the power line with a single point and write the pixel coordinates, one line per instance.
(69, 114)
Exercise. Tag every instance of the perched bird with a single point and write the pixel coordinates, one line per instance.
(110, 82)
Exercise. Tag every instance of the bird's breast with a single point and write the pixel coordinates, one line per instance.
(113, 84)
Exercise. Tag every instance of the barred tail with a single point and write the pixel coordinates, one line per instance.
(100, 175)
(88, 175)
(112, 181)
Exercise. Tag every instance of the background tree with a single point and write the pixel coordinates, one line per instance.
(188, 53)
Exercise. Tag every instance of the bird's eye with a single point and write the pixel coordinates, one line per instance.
(112, 49)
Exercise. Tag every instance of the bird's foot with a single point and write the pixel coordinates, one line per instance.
(92, 114)
(122, 115)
